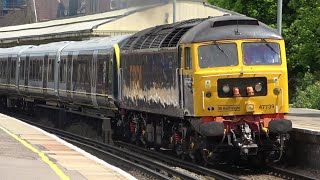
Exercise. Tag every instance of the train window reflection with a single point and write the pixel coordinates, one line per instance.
(13, 67)
(218, 55)
(261, 53)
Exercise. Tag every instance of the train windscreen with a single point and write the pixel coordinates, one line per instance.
(261, 53)
(218, 55)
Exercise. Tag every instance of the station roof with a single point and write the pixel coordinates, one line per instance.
(125, 21)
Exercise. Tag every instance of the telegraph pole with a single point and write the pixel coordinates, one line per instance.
(279, 16)
(174, 10)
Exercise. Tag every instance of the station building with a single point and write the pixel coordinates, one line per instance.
(115, 22)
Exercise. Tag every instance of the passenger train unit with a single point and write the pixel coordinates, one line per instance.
(208, 88)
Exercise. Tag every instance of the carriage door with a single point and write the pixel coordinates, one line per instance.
(187, 81)
(45, 74)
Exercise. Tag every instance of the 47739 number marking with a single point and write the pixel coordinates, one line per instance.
(267, 106)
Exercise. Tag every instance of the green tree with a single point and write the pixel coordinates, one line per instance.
(301, 30)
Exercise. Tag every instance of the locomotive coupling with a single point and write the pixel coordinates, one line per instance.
(280, 126)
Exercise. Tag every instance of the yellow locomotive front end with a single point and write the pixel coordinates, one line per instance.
(243, 77)
(240, 92)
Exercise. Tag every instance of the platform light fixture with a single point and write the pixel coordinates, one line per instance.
(279, 16)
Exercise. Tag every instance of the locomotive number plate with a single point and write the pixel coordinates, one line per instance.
(267, 106)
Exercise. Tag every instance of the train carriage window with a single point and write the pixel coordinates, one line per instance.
(33, 73)
(5, 66)
(51, 69)
(21, 68)
(40, 67)
(37, 69)
(2, 68)
(30, 69)
(33, 69)
(27, 68)
(8, 75)
(103, 71)
(188, 62)
(13, 67)
(75, 69)
(62, 73)
(85, 63)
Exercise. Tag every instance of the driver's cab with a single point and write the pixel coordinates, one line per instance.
(204, 64)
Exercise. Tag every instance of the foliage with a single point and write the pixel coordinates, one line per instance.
(309, 98)
(301, 30)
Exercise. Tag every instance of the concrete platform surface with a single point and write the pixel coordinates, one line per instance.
(27, 152)
(305, 120)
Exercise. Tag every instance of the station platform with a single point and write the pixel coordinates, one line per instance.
(305, 120)
(27, 152)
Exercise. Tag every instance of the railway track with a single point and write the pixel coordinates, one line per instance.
(177, 162)
(286, 174)
(151, 166)
(153, 163)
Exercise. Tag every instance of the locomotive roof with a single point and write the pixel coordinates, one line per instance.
(199, 30)
(46, 48)
(13, 50)
(96, 43)
(229, 27)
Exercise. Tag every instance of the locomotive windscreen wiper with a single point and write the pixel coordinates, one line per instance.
(268, 45)
(221, 50)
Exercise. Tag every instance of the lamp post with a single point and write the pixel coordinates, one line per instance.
(174, 10)
(279, 16)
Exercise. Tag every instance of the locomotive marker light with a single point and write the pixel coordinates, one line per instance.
(250, 91)
(236, 92)
(226, 89)
(258, 87)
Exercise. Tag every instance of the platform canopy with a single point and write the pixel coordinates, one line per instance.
(125, 21)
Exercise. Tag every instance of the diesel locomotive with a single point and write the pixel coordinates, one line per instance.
(208, 88)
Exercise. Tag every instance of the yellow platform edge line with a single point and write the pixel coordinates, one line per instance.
(52, 165)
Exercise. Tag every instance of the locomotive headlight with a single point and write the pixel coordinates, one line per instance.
(258, 87)
(226, 89)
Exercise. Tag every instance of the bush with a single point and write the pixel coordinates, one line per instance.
(308, 98)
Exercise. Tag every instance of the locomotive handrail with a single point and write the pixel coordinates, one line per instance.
(282, 101)
(203, 100)
(181, 86)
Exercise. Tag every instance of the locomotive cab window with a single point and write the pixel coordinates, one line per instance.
(218, 55)
(188, 61)
(257, 53)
